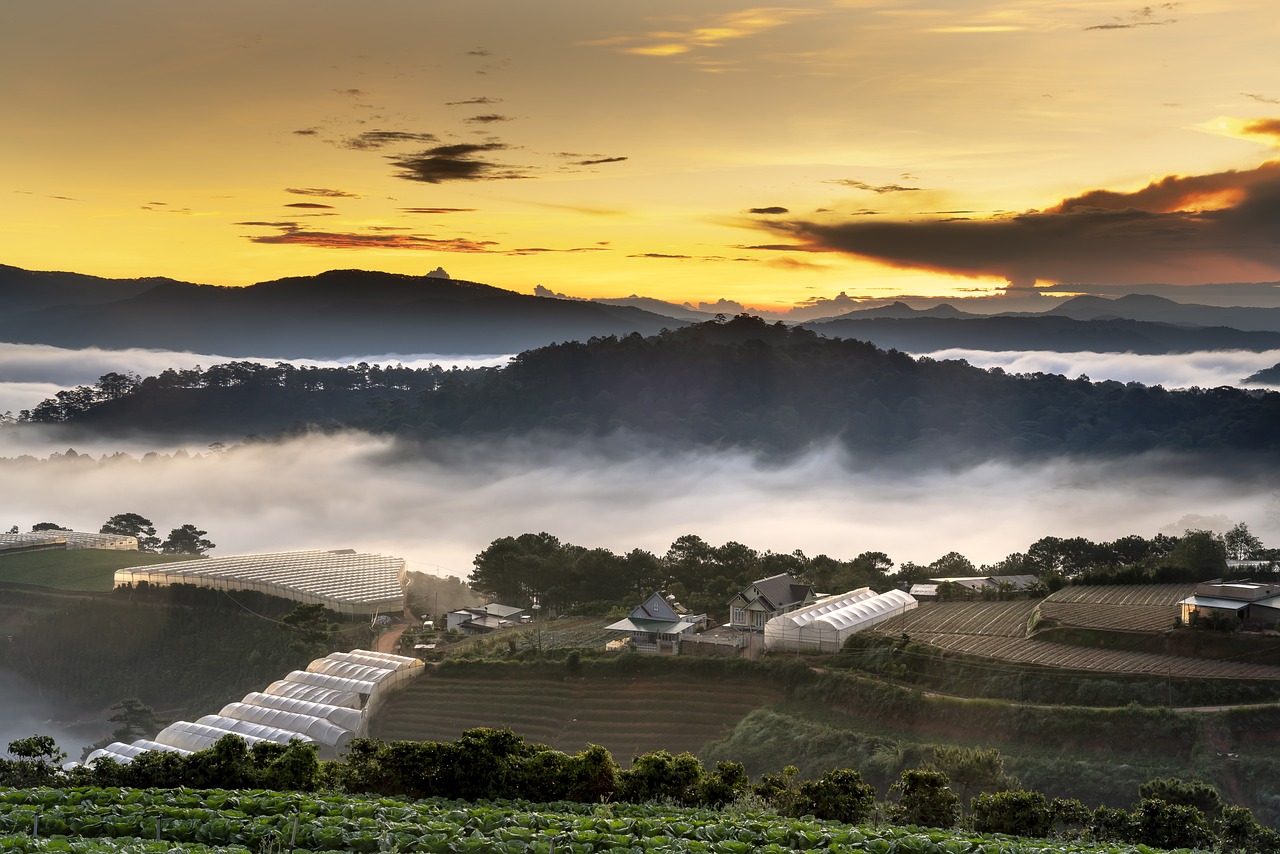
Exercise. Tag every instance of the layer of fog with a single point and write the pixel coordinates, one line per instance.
(23, 713)
(30, 373)
(1208, 369)
(440, 505)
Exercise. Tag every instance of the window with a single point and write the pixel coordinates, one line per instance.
(739, 617)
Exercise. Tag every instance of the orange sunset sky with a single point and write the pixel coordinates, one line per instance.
(686, 151)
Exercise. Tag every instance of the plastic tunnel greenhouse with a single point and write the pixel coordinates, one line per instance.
(824, 626)
(314, 706)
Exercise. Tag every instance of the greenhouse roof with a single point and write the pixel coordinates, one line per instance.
(338, 576)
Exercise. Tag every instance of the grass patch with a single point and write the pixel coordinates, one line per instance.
(88, 570)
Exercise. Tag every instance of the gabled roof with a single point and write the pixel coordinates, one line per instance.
(655, 608)
(782, 590)
(663, 627)
(493, 609)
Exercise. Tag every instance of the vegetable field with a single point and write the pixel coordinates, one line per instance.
(997, 630)
(988, 619)
(144, 820)
(1120, 607)
(626, 715)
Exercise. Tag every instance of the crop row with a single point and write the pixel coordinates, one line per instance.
(1097, 660)
(1152, 595)
(988, 619)
(258, 819)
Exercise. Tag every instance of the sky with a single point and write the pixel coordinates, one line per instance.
(772, 155)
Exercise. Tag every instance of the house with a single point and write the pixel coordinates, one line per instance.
(1254, 604)
(991, 584)
(766, 599)
(658, 625)
(487, 618)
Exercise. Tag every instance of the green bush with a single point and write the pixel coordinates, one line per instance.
(925, 798)
(1166, 825)
(1015, 813)
(839, 795)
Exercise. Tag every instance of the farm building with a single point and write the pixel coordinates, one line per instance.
(342, 581)
(824, 625)
(989, 583)
(766, 599)
(328, 711)
(657, 626)
(50, 540)
(1252, 603)
(486, 618)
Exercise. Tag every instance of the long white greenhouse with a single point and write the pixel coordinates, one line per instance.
(310, 705)
(69, 540)
(824, 625)
(342, 581)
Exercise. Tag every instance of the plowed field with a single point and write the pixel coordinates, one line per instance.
(1120, 607)
(625, 715)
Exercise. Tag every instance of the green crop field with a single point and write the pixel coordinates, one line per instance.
(90, 570)
(95, 820)
(627, 715)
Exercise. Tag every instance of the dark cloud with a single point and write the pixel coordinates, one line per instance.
(1261, 98)
(783, 247)
(599, 160)
(321, 192)
(454, 163)
(538, 250)
(1264, 127)
(436, 210)
(306, 132)
(873, 188)
(1144, 17)
(164, 207)
(473, 102)
(315, 205)
(291, 234)
(769, 211)
(1181, 230)
(660, 255)
(350, 93)
(488, 119)
(478, 52)
(372, 140)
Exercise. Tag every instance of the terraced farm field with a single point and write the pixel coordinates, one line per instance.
(997, 630)
(1119, 607)
(995, 619)
(627, 715)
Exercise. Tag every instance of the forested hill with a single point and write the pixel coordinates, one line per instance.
(740, 383)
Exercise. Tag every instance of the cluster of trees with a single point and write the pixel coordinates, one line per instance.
(71, 404)
(183, 540)
(565, 577)
(486, 764)
(738, 382)
(562, 576)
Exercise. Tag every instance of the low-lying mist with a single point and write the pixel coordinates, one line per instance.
(438, 505)
(30, 373)
(1207, 369)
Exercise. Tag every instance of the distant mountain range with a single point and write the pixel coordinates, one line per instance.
(358, 313)
(334, 314)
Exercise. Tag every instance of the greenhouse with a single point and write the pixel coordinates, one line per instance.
(319, 730)
(38, 540)
(312, 705)
(342, 716)
(343, 581)
(824, 626)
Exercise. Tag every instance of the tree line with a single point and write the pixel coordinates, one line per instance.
(735, 383)
(564, 577)
(492, 764)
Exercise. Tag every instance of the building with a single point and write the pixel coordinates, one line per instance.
(827, 623)
(766, 599)
(68, 540)
(1255, 605)
(986, 584)
(658, 625)
(486, 618)
(351, 584)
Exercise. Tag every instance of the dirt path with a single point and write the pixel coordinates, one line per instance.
(388, 640)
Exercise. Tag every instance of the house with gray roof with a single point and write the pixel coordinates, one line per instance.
(487, 618)
(1253, 603)
(658, 625)
(768, 598)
